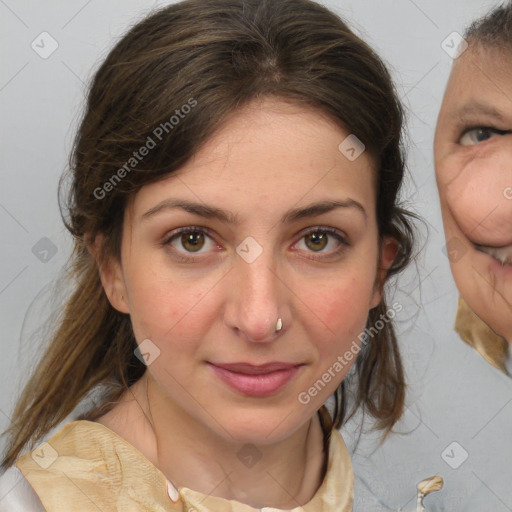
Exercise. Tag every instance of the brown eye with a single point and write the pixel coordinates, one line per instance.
(317, 240)
(192, 241)
(325, 241)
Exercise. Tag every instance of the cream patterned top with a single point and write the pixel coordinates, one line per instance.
(88, 467)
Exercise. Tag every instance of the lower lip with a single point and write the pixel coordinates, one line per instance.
(500, 269)
(256, 385)
(496, 266)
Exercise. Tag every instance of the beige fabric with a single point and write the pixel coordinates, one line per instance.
(475, 332)
(91, 468)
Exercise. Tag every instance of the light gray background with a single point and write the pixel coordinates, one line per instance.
(454, 395)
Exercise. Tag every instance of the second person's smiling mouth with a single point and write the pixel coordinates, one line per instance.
(502, 254)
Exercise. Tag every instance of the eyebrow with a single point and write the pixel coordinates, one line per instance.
(475, 108)
(227, 217)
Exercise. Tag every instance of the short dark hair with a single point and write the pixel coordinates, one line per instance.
(493, 29)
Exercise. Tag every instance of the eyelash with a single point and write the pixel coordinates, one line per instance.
(194, 229)
(468, 129)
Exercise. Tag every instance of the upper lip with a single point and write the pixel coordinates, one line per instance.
(253, 369)
(497, 247)
(502, 254)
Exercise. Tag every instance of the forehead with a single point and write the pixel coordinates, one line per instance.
(269, 151)
(481, 77)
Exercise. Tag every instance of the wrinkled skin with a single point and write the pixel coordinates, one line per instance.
(473, 158)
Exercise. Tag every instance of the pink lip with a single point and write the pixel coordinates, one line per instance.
(499, 269)
(256, 380)
(502, 273)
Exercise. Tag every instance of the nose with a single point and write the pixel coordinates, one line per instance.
(255, 299)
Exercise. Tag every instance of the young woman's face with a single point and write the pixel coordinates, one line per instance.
(269, 220)
(473, 155)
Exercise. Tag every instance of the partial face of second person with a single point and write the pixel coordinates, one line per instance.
(473, 157)
(203, 304)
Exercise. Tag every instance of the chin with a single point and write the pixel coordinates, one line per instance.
(484, 280)
(263, 428)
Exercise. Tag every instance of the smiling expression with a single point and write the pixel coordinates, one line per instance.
(273, 178)
(473, 157)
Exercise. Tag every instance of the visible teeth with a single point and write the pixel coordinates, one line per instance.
(502, 254)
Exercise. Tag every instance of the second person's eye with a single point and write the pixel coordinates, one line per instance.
(480, 134)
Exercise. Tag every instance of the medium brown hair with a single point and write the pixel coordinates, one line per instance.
(220, 54)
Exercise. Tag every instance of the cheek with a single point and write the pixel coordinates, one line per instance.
(343, 309)
(163, 305)
(475, 193)
(339, 301)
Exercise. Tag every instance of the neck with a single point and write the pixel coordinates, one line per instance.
(287, 473)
